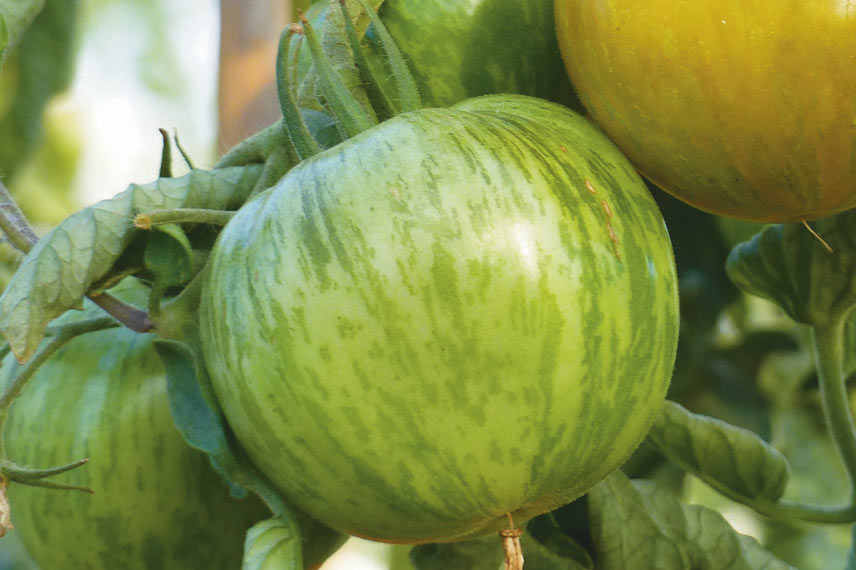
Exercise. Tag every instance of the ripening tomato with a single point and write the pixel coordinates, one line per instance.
(744, 108)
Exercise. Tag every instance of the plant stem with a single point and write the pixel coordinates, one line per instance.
(14, 224)
(828, 341)
(148, 220)
(131, 317)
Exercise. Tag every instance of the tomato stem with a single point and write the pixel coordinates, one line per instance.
(176, 318)
(148, 220)
(131, 317)
(511, 545)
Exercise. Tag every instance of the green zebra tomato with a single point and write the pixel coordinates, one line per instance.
(745, 108)
(457, 50)
(456, 315)
(157, 504)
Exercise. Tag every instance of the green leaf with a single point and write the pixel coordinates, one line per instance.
(638, 526)
(730, 459)
(481, 554)
(195, 412)
(66, 262)
(44, 60)
(273, 544)
(169, 255)
(15, 18)
(788, 265)
(197, 419)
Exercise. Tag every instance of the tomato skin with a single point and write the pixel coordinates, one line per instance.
(157, 503)
(458, 314)
(745, 108)
(460, 49)
(457, 50)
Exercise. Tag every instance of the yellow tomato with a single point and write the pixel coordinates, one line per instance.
(745, 108)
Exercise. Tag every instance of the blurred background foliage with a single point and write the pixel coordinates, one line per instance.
(82, 97)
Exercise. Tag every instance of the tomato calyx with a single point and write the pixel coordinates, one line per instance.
(12, 473)
(351, 116)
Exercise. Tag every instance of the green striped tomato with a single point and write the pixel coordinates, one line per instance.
(157, 503)
(456, 315)
(458, 50)
(745, 108)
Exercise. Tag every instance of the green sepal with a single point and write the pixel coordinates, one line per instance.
(335, 44)
(480, 554)
(39, 477)
(62, 266)
(255, 148)
(353, 115)
(194, 409)
(323, 127)
(408, 93)
(382, 103)
(790, 266)
(301, 139)
(169, 256)
(166, 155)
(638, 525)
(273, 544)
(732, 460)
